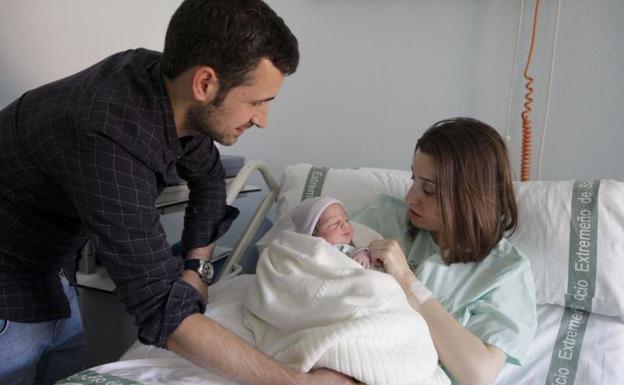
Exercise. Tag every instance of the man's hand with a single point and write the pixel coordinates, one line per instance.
(328, 377)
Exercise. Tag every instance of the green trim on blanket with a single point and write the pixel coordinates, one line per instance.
(583, 261)
(88, 377)
(314, 183)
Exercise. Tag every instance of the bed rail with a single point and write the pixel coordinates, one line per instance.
(232, 266)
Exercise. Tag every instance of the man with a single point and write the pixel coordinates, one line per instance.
(85, 157)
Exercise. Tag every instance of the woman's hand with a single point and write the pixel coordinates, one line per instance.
(387, 253)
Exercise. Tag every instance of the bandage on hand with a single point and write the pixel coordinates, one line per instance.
(419, 290)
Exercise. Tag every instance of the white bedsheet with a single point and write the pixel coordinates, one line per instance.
(600, 362)
(601, 353)
(149, 365)
(312, 306)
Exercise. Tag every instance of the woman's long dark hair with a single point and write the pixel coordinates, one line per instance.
(474, 187)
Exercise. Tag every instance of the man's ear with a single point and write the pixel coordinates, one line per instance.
(205, 85)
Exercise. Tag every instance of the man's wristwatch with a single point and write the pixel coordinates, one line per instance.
(202, 267)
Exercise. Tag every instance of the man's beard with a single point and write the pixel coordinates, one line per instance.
(205, 120)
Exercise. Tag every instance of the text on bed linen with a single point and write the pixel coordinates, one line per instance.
(570, 344)
(584, 238)
(584, 244)
(561, 377)
(313, 181)
(582, 264)
(571, 335)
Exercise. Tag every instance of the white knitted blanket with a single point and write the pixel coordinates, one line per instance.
(311, 306)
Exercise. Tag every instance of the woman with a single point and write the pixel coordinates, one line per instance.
(472, 286)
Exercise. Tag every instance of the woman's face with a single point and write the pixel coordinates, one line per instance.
(422, 196)
(334, 225)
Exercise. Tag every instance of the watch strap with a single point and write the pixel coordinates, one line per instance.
(192, 264)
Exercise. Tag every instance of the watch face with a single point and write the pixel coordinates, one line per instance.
(207, 272)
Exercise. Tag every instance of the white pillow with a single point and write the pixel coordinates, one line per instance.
(545, 212)
(355, 188)
(543, 232)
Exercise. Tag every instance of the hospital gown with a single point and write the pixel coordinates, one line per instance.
(494, 298)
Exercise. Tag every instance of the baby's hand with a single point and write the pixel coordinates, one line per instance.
(362, 257)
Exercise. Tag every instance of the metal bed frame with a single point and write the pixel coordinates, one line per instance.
(232, 266)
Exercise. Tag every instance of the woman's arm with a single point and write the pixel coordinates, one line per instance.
(464, 355)
(468, 359)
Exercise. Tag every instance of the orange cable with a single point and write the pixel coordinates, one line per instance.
(525, 165)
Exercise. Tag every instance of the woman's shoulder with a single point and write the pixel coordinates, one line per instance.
(384, 208)
(382, 204)
(506, 263)
(387, 215)
(507, 251)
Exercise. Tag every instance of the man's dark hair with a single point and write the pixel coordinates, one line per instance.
(231, 36)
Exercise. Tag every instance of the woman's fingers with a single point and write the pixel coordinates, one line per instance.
(388, 254)
(386, 249)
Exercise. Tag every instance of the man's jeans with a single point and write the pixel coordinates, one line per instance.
(44, 352)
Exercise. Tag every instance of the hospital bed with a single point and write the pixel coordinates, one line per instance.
(573, 233)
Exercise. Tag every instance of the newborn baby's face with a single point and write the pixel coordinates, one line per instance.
(334, 226)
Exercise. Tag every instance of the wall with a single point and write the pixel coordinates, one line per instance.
(374, 74)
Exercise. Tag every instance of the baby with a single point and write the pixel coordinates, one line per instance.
(325, 217)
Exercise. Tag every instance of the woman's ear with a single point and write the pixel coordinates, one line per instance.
(205, 84)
